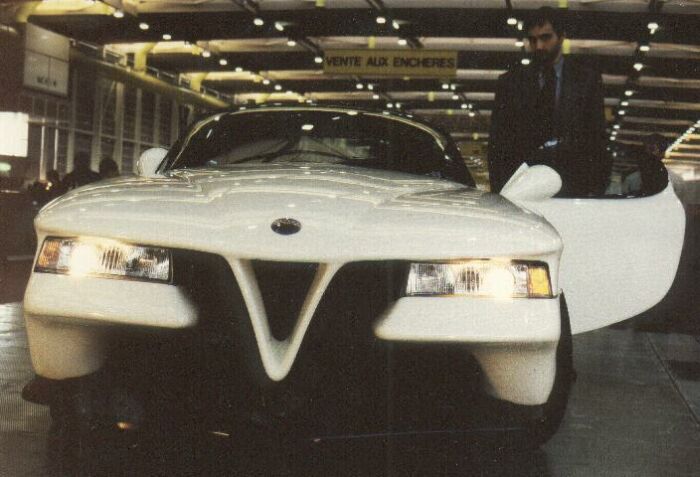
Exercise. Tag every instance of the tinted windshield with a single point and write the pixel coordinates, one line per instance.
(323, 137)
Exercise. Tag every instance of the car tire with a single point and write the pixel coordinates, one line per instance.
(543, 428)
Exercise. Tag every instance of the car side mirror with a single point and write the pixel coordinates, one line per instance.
(149, 161)
(536, 183)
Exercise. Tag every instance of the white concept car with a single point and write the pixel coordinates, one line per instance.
(330, 272)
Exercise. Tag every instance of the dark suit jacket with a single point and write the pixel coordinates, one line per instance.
(579, 124)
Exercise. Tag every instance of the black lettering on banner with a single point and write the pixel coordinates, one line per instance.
(377, 61)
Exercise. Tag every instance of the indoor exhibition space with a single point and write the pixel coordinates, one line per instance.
(349, 238)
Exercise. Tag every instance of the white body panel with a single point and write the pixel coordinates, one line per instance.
(347, 214)
(620, 255)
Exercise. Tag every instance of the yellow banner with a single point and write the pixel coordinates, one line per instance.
(439, 64)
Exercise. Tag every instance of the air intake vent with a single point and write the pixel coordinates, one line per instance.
(283, 286)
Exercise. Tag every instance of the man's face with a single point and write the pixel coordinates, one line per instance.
(545, 44)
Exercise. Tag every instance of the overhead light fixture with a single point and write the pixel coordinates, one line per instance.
(512, 21)
(453, 86)
(291, 42)
(118, 14)
(398, 105)
(525, 61)
(370, 87)
(617, 126)
(472, 114)
(266, 81)
(465, 106)
(629, 93)
(381, 20)
(375, 96)
(519, 43)
(318, 59)
(167, 36)
(625, 103)
(359, 86)
(520, 25)
(402, 42)
(257, 21)
(653, 26)
(223, 62)
(622, 112)
(144, 26)
(644, 47)
(638, 66)
(278, 87)
(612, 138)
(279, 26)
(289, 91)
(455, 97)
(239, 69)
(206, 53)
(395, 25)
(390, 105)
(445, 86)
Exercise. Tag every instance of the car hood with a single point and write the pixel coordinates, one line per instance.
(346, 214)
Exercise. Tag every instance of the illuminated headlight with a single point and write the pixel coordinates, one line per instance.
(488, 278)
(104, 258)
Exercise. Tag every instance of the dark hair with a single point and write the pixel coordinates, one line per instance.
(655, 139)
(544, 15)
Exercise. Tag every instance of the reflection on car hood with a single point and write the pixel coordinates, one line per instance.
(346, 213)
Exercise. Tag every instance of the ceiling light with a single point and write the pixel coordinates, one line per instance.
(625, 103)
(617, 126)
(644, 47)
(653, 26)
(629, 92)
(389, 105)
(206, 53)
(622, 112)
(359, 86)
(167, 36)
(445, 86)
(472, 114)
(395, 24)
(289, 91)
(375, 96)
(239, 69)
(612, 138)
(257, 21)
(465, 106)
(278, 87)
(291, 43)
(455, 97)
(381, 20)
(525, 61)
(370, 87)
(512, 21)
(398, 105)
(118, 14)
(266, 81)
(638, 66)
(402, 42)
(318, 59)
(307, 127)
(144, 26)
(519, 43)
(279, 26)
(223, 62)
(520, 25)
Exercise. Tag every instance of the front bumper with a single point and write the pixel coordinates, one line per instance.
(71, 326)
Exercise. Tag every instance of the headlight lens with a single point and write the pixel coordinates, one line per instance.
(488, 278)
(104, 258)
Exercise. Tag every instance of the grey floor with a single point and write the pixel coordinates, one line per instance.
(635, 410)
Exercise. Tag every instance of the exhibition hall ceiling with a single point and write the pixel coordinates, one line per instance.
(274, 51)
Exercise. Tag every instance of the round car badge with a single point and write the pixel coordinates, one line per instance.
(286, 226)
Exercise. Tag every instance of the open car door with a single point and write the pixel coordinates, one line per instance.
(620, 254)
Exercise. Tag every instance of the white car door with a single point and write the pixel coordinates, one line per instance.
(620, 254)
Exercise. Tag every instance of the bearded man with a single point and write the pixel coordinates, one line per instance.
(550, 112)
